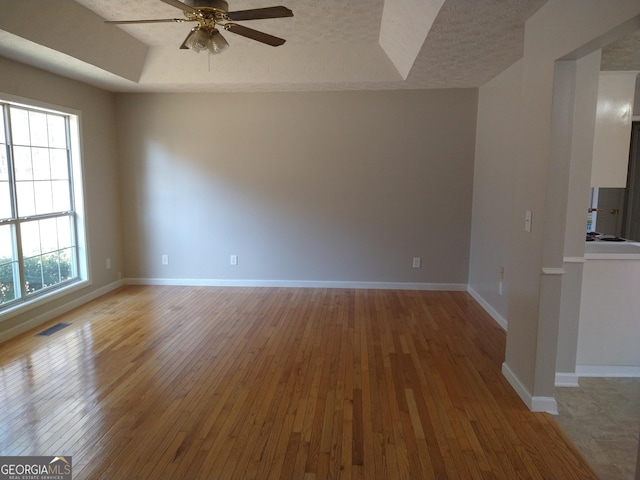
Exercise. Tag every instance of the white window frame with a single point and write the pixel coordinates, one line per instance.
(83, 280)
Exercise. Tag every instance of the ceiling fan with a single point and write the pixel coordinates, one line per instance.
(211, 14)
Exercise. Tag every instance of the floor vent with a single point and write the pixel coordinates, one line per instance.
(51, 330)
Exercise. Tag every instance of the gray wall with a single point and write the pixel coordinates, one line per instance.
(493, 188)
(329, 187)
(100, 170)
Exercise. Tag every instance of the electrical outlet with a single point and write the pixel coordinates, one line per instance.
(527, 221)
(500, 287)
(416, 262)
(233, 260)
(165, 259)
(108, 264)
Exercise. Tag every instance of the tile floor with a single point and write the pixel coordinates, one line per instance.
(602, 417)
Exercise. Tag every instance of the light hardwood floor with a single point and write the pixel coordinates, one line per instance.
(203, 382)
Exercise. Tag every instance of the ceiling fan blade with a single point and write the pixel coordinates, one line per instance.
(254, 34)
(260, 13)
(184, 44)
(182, 6)
(160, 20)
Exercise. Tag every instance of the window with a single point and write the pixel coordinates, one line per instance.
(41, 227)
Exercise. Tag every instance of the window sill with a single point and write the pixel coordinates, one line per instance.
(43, 299)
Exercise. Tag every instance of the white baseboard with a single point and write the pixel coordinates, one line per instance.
(45, 317)
(564, 379)
(544, 404)
(488, 308)
(607, 371)
(567, 379)
(204, 282)
(535, 404)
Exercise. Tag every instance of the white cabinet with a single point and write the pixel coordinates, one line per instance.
(613, 129)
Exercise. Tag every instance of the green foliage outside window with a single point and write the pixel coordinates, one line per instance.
(40, 272)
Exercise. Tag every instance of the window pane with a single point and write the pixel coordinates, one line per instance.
(50, 269)
(30, 235)
(38, 129)
(40, 162)
(64, 232)
(8, 265)
(67, 264)
(44, 197)
(8, 275)
(5, 200)
(59, 165)
(4, 165)
(3, 138)
(57, 131)
(48, 235)
(22, 163)
(26, 201)
(33, 274)
(19, 126)
(6, 244)
(61, 198)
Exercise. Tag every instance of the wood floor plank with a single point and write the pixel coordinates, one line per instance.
(203, 382)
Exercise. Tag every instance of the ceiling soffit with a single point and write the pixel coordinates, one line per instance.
(72, 30)
(404, 28)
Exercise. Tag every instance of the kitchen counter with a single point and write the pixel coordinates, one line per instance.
(600, 250)
(609, 326)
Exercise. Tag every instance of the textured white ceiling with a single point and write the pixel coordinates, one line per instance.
(326, 21)
(331, 44)
(623, 54)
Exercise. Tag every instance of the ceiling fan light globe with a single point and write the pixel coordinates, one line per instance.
(217, 43)
(198, 40)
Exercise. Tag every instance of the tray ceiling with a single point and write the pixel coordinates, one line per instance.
(331, 45)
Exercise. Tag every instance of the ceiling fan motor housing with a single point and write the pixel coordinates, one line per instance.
(217, 4)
